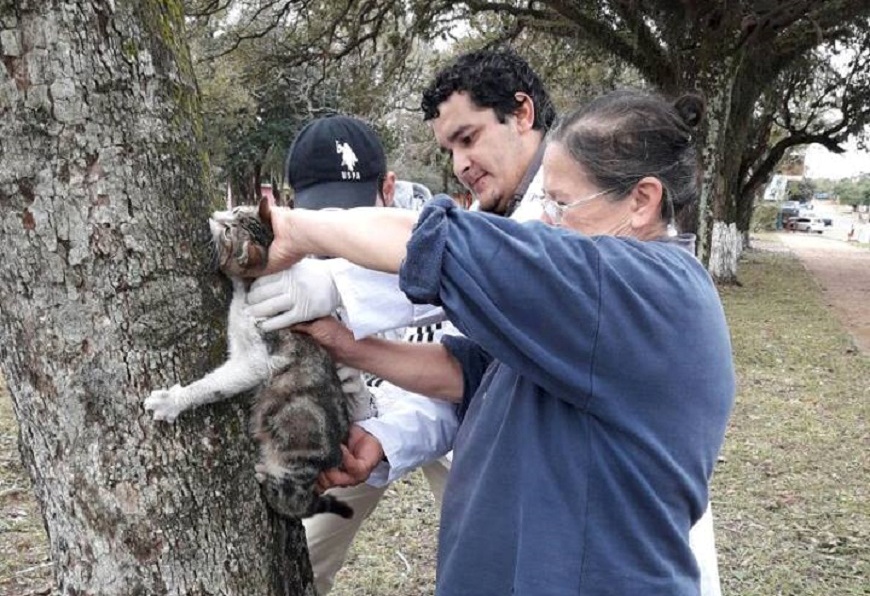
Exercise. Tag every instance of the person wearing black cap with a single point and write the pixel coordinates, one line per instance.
(338, 162)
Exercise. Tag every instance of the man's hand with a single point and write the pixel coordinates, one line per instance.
(361, 455)
(332, 335)
(303, 292)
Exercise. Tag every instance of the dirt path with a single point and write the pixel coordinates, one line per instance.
(843, 271)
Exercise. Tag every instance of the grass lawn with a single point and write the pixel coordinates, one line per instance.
(25, 568)
(790, 495)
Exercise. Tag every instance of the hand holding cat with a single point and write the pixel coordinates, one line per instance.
(372, 237)
(361, 455)
(301, 293)
(332, 335)
(281, 251)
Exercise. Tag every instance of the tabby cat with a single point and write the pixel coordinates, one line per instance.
(300, 415)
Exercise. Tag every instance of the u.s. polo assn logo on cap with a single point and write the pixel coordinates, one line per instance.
(348, 161)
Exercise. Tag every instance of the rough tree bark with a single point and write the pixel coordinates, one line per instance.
(105, 292)
(727, 246)
(716, 184)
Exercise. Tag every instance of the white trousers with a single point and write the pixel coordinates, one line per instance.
(330, 536)
(703, 544)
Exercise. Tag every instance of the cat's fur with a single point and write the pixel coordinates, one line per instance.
(300, 415)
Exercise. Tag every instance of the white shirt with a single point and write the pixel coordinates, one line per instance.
(411, 428)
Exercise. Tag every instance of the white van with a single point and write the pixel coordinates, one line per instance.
(807, 224)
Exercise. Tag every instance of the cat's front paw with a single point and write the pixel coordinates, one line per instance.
(166, 404)
(264, 474)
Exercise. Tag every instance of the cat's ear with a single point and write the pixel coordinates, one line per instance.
(265, 210)
(251, 257)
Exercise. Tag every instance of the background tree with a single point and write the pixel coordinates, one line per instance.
(740, 54)
(731, 52)
(251, 112)
(823, 98)
(106, 293)
(294, 61)
(853, 192)
(801, 191)
(251, 107)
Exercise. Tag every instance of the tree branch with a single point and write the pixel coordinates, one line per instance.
(648, 57)
(827, 21)
(777, 152)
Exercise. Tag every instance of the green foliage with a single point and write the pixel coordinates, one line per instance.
(268, 70)
(855, 191)
(764, 217)
(800, 190)
(252, 111)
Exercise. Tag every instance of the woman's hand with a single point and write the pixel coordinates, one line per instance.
(371, 237)
(281, 251)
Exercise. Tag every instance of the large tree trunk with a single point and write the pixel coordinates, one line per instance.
(106, 292)
(726, 246)
(716, 82)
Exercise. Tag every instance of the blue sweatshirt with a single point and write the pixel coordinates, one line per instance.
(598, 381)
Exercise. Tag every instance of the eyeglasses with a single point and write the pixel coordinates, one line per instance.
(555, 210)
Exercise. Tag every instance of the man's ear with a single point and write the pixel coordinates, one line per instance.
(265, 210)
(388, 189)
(646, 203)
(525, 113)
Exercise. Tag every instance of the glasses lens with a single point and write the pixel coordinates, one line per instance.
(551, 209)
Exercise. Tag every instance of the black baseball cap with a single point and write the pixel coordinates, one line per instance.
(337, 161)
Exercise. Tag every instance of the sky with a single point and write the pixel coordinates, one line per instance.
(821, 163)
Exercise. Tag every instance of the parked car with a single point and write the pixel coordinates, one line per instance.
(806, 224)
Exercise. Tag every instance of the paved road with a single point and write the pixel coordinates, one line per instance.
(843, 270)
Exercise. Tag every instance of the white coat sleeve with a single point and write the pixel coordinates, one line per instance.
(413, 430)
(373, 302)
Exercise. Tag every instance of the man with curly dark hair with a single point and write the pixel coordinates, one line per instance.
(490, 110)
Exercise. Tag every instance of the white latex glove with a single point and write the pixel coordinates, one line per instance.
(301, 293)
(353, 385)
